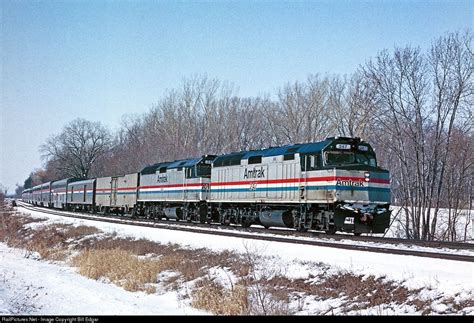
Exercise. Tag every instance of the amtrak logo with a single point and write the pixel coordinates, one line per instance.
(254, 173)
(350, 183)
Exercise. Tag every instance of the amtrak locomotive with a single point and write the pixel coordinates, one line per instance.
(332, 185)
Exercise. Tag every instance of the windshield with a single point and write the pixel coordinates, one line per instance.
(204, 170)
(336, 158)
(364, 159)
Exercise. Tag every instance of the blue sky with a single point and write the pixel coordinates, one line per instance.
(102, 59)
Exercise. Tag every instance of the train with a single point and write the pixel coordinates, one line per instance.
(334, 185)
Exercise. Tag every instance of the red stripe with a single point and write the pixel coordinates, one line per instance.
(172, 185)
(118, 189)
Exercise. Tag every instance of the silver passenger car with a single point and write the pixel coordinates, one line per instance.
(59, 192)
(117, 193)
(26, 195)
(36, 195)
(81, 194)
(46, 194)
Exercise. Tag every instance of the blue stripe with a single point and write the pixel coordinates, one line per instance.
(170, 191)
(348, 188)
(125, 193)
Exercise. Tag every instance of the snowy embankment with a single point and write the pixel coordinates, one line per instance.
(29, 286)
(59, 290)
(449, 276)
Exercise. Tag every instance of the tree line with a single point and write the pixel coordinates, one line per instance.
(414, 107)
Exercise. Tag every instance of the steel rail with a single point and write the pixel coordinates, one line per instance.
(182, 227)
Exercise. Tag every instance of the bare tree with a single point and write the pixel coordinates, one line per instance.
(421, 99)
(301, 113)
(77, 147)
(351, 105)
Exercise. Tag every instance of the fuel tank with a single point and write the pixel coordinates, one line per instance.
(276, 218)
(175, 213)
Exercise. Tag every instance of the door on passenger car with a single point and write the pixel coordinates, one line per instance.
(113, 195)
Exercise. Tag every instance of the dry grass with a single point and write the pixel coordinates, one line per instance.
(120, 267)
(50, 242)
(13, 231)
(458, 306)
(359, 292)
(190, 263)
(213, 297)
(72, 232)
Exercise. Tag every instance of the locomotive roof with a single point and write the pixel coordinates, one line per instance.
(188, 162)
(184, 163)
(236, 157)
(152, 168)
(174, 164)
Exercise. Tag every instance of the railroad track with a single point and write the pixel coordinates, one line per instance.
(275, 235)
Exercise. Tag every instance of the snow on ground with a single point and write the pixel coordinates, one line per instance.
(446, 276)
(464, 223)
(28, 286)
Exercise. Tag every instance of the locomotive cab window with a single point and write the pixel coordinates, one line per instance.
(200, 170)
(203, 170)
(190, 172)
(335, 158)
(310, 162)
(364, 159)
